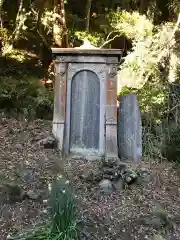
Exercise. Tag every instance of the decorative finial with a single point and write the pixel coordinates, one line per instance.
(86, 44)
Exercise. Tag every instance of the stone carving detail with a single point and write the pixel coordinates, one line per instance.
(111, 121)
(112, 71)
(61, 73)
(72, 68)
(61, 69)
(102, 72)
(94, 67)
(103, 69)
(61, 59)
(101, 76)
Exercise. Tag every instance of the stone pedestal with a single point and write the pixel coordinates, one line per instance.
(85, 102)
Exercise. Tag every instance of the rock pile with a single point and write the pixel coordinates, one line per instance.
(112, 175)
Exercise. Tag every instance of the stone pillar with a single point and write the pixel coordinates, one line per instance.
(59, 102)
(111, 113)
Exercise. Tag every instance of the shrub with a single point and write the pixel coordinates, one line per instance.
(171, 148)
(21, 91)
(26, 96)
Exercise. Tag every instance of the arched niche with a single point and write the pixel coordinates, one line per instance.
(85, 112)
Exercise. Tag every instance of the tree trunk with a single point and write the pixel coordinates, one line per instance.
(1, 6)
(40, 31)
(173, 65)
(143, 6)
(59, 27)
(173, 75)
(88, 14)
(129, 129)
(20, 20)
(174, 52)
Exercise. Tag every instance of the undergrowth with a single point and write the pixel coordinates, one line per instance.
(21, 90)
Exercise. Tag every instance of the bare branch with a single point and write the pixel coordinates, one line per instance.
(107, 38)
(178, 105)
(34, 12)
(110, 40)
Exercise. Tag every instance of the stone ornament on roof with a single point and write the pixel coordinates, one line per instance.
(87, 45)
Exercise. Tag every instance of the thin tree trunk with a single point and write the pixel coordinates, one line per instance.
(20, 19)
(39, 26)
(173, 64)
(1, 5)
(19, 22)
(59, 27)
(174, 53)
(143, 6)
(88, 14)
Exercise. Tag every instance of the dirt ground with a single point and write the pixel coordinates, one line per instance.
(120, 215)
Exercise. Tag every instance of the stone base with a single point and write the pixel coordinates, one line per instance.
(86, 158)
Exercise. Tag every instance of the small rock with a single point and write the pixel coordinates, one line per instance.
(144, 170)
(144, 174)
(130, 176)
(154, 222)
(97, 175)
(49, 143)
(83, 236)
(110, 177)
(159, 219)
(14, 192)
(128, 179)
(87, 175)
(39, 137)
(26, 175)
(19, 146)
(119, 184)
(109, 163)
(106, 186)
(45, 201)
(157, 237)
(9, 237)
(121, 166)
(108, 171)
(4, 121)
(32, 195)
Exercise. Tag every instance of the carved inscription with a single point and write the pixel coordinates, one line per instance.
(112, 70)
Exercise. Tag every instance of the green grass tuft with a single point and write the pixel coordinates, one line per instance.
(63, 221)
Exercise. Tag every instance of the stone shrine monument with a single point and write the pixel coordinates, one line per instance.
(85, 103)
